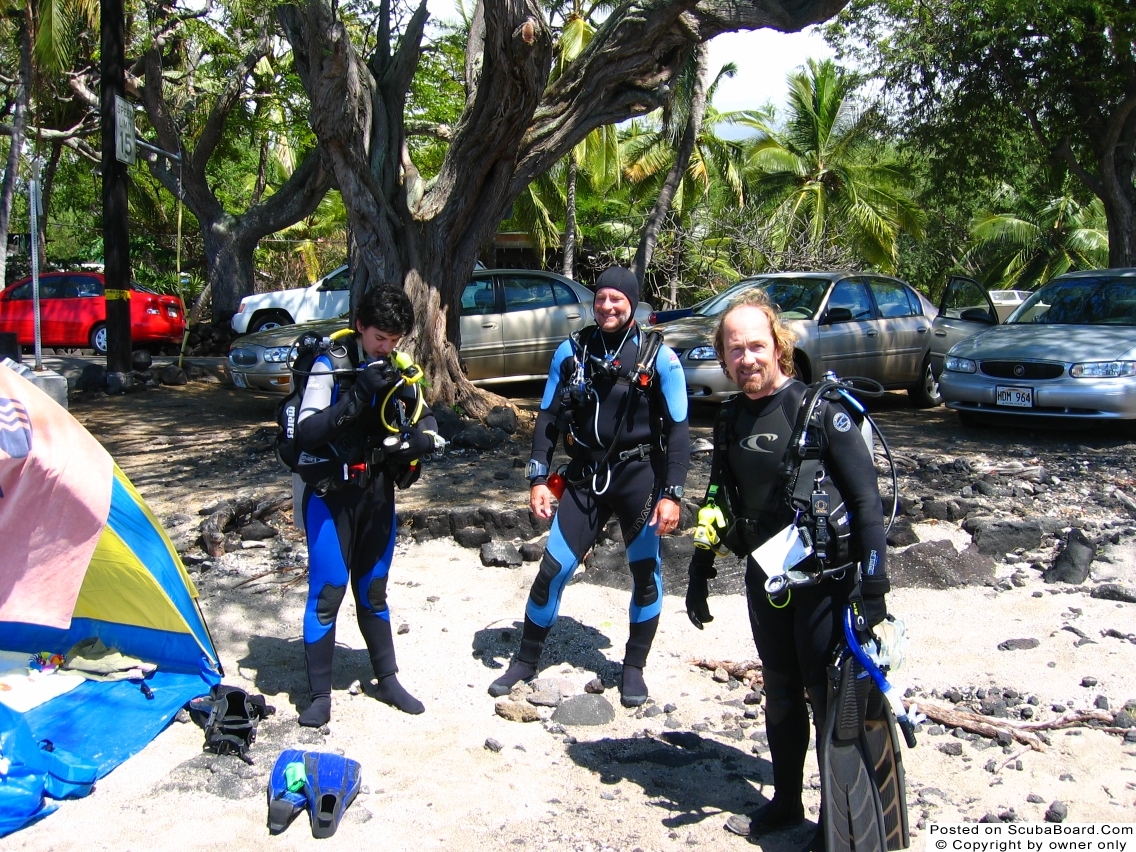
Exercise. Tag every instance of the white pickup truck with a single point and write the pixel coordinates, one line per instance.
(326, 298)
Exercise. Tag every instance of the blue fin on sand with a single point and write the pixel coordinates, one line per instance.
(333, 783)
(283, 803)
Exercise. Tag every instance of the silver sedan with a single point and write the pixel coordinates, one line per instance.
(512, 320)
(1068, 351)
(855, 324)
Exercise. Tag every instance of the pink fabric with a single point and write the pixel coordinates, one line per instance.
(55, 486)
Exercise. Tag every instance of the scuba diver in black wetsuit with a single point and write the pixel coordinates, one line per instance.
(361, 415)
(798, 630)
(619, 397)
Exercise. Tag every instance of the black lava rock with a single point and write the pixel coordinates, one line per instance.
(1072, 563)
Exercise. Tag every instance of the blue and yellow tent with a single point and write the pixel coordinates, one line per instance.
(81, 556)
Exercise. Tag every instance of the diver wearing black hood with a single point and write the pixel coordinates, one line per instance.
(619, 397)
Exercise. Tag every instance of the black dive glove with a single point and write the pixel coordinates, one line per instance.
(417, 444)
(697, 608)
(376, 377)
(875, 610)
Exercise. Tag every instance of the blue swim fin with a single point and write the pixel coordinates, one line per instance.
(285, 799)
(333, 783)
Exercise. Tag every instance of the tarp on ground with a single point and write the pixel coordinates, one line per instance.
(81, 556)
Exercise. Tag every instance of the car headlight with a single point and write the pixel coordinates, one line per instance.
(959, 365)
(1103, 370)
(277, 354)
(702, 353)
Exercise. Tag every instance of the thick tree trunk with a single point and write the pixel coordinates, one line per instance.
(569, 267)
(425, 238)
(1117, 158)
(229, 247)
(690, 133)
(19, 128)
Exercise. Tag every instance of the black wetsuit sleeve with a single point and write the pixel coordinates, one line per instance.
(854, 472)
(545, 435)
(322, 420)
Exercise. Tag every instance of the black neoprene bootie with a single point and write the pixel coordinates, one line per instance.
(318, 713)
(318, 656)
(632, 687)
(380, 646)
(517, 672)
(524, 665)
(390, 691)
(778, 814)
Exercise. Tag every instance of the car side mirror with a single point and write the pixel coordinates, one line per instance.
(835, 315)
(978, 315)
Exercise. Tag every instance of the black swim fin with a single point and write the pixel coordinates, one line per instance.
(862, 784)
(333, 783)
(283, 802)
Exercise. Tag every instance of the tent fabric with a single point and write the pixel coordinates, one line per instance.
(50, 522)
(83, 556)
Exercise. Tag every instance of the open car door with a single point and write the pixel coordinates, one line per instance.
(965, 309)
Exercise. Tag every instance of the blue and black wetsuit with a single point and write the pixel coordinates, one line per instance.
(627, 444)
(351, 533)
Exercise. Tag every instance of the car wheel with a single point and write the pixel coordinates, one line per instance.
(99, 338)
(269, 319)
(926, 393)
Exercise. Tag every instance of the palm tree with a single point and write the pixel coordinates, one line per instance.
(681, 160)
(598, 153)
(1031, 243)
(823, 170)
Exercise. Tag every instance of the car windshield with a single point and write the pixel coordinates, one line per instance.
(1104, 300)
(797, 298)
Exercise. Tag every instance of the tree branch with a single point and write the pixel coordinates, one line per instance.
(210, 135)
(427, 128)
(85, 127)
(516, 60)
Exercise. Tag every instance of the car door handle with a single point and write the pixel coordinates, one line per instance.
(573, 316)
(489, 325)
(940, 334)
(922, 330)
(872, 333)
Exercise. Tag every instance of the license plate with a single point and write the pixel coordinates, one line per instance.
(239, 380)
(1014, 397)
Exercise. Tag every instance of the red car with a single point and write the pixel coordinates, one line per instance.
(73, 312)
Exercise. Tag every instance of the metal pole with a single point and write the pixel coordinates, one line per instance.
(116, 229)
(34, 214)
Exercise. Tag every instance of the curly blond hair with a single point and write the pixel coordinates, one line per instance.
(783, 337)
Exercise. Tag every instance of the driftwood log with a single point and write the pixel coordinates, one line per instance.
(748, 672)
(224, 513)
(1023, 732)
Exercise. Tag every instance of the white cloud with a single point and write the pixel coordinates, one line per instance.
(764, 59)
